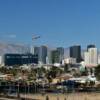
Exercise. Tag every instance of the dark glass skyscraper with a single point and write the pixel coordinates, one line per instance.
(55, 56)
(20, 59)
(75, 52)
(61, 53)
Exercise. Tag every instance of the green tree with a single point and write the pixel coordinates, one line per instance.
(52, 73)
(97, 72)
(66, 68)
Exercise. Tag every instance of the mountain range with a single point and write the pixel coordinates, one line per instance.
(13, 48)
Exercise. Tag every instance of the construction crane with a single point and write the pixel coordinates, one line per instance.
(35, 37)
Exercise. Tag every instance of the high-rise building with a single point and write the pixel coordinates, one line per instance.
(91, 56)
(98, 59)
(86, 58)
(66, 53)
(82, 54)
(36, 50)
(98, 56)
(55, 56)
(1, 60)
(43, 54)
(90, 46)
(31, 49)
(49, 59)
(75, 52)
(61, 53)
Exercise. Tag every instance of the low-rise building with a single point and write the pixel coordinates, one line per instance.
(69, 60)
(19, 59)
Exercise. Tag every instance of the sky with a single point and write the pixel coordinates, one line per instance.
(57, 22)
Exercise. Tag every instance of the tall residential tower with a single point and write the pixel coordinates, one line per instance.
(91, 56)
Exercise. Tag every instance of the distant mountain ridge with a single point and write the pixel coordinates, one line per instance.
(13, 48)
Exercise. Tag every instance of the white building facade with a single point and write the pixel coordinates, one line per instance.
(91, 57)
(86, 58)
(70, 60)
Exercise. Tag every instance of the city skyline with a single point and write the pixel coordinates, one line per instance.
(49, 49)
(59, 23)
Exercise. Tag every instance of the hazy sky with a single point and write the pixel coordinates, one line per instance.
(58, 22)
